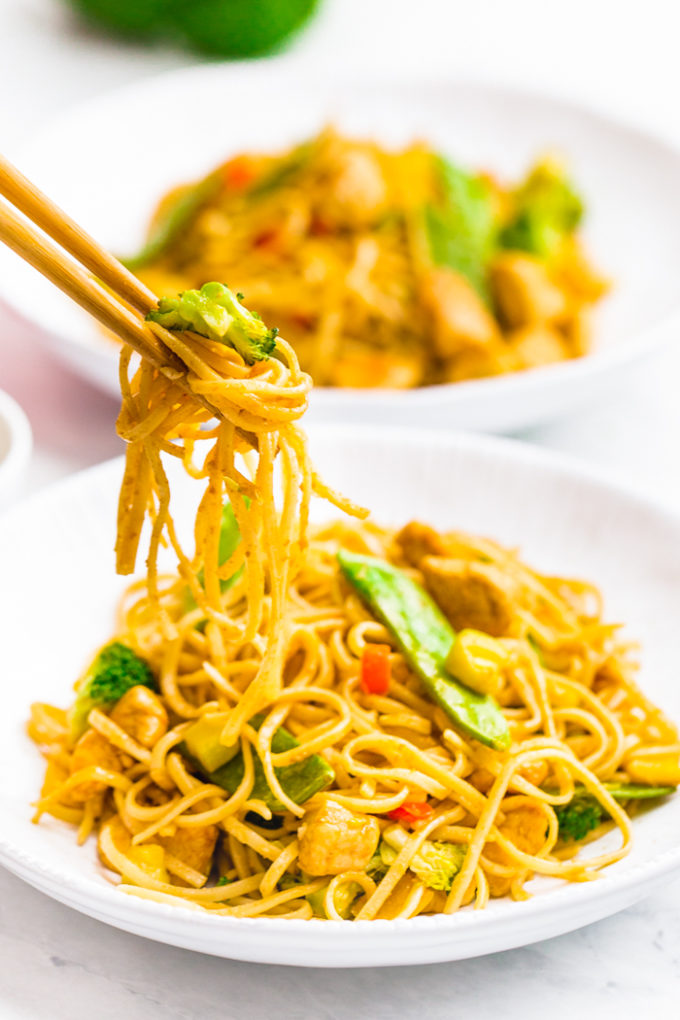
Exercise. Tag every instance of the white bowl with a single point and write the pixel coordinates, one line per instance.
(58, 546)
(15, 448)
(109, 160)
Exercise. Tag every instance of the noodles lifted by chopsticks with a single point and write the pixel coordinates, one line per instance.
(340, 722)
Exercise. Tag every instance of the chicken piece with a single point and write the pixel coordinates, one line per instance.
(358, 190)
(357, 366)
(93, 749)
(334, 839)
(526, 828)
(470, 594)
(141, 713)
(194, 847)
(459, 316)
(524, 292)
(537, 345)
(418, 540)
(535, 772)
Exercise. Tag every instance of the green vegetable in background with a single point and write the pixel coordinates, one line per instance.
(224, 28)
(299, 781)
(461, 227)
(547, 210)
(424, 636)
(175, 216)
(215, 312)
(584, 813)
(136, 18)
(114, 670)
(234, 28)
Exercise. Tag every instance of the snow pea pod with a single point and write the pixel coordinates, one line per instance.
(424, 636)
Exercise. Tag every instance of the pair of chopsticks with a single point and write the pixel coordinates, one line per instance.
(120, 302)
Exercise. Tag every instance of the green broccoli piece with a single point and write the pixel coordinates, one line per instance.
(584, 813)
(216, 313)
(460, 227)
(579, 817)
(114, 670)
(547, 209)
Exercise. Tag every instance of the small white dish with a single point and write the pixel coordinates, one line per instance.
(16, 443)
(108, 161)
(58, 547)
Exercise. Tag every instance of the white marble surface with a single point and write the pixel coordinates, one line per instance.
(55, 963)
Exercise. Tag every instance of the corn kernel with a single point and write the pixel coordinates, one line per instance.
(656, 770)
(477, 660)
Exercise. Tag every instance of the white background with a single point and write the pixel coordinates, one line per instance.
(617, 54)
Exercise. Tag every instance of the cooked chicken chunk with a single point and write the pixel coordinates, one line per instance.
(93, 749)
(141, 713)
(359, 192)
(419, 540)
(334, 840)
(194, 847)
(538, 345)
(526, 828)
(524, 292)
(357, 366)
(459, 316)
(469, 594)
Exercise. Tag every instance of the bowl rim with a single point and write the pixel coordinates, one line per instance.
(103, 900)
(468, 392)
(15, 461)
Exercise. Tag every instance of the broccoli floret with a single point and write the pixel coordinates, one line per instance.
(547, 209)
(584, 813)
(579, 817)
(216, 313)
(114, 670)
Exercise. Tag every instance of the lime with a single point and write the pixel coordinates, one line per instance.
(239, 28)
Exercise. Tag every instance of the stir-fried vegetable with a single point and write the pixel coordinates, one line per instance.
(436, 863)
(547, 209)
(584, 813)
(299, 781)
(175, 215)
(460, 227)
(411, 812)
(216, 313)
(375, 672)
(425, 637)
(114, 670)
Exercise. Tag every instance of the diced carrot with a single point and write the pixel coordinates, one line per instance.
(376, 671)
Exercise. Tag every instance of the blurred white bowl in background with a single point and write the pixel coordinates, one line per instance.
(108, 161)
(16, 443)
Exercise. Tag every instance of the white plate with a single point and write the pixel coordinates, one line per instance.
(108, 161)
(57, 597)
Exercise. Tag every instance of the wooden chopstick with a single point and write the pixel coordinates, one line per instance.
(35, 248)
(120, 305)
(23, 194)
